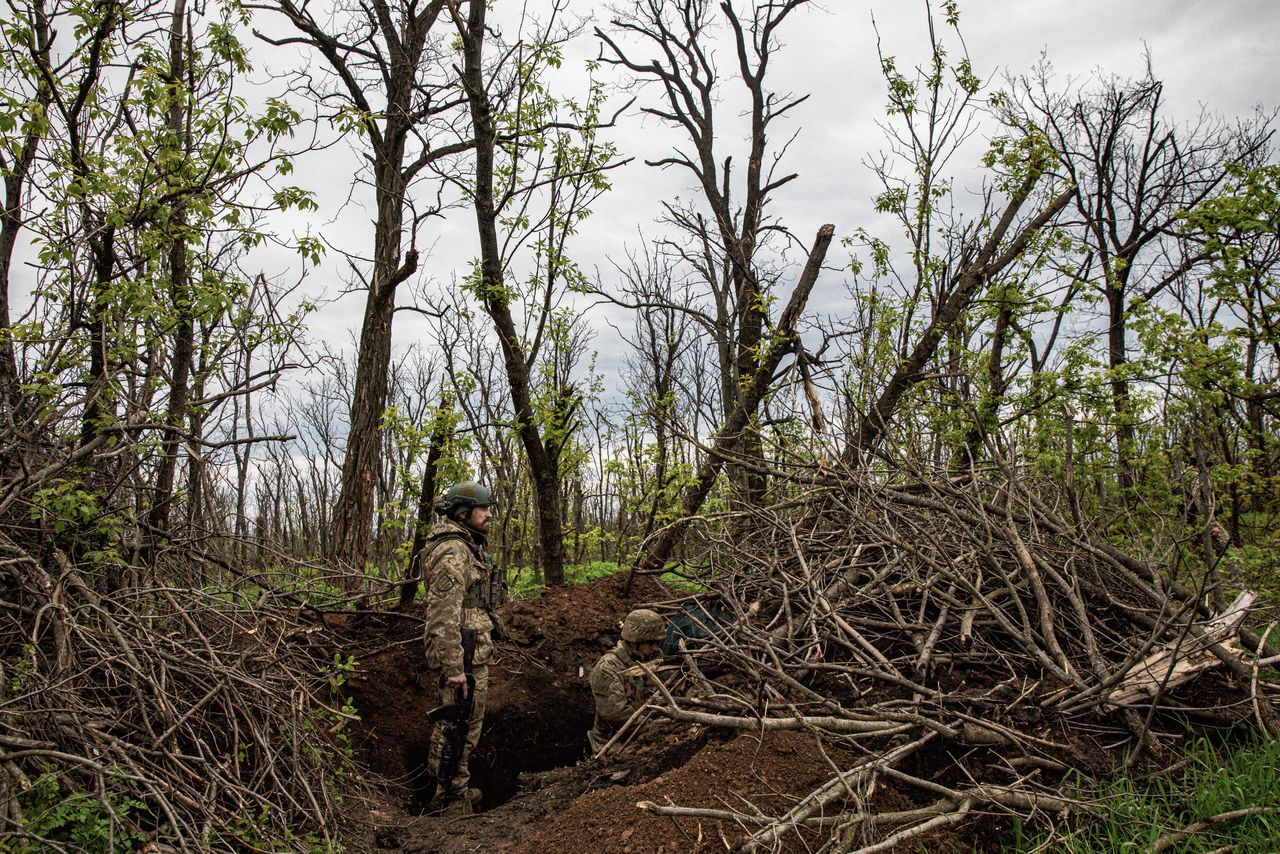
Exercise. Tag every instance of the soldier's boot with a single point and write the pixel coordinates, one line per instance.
(455, 804)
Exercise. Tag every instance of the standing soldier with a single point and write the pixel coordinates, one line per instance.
(618, 693)
(460, 590)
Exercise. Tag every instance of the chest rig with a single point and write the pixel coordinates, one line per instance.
(477, 594)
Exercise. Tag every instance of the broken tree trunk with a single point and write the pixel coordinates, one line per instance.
(726, 440)
(1179, 663)
(964, 288)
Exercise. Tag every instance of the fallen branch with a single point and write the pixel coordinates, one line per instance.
(1170, 667)
(1168, 840)
(891, 843)
(838, 726)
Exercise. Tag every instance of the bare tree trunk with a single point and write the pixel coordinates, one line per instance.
(400, 34)
(195, 461)
(243, 452)
(15, 172)
(1259, 460)
(729, 239)
(548, 502)
(725, 443)
(179, 289)
(987, 415)
(1116, 361)
(99, 398)
(426, 497)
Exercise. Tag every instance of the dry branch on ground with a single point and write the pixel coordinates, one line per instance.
(961, 636)
(192, 721)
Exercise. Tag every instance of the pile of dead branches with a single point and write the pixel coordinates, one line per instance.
(143, 714)
(965, 639)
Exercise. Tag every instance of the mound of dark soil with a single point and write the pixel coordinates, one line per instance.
(541, 792)
(723, 775)
(539, 706)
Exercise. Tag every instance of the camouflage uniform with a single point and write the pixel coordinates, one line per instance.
(617, 694)
(455, 576)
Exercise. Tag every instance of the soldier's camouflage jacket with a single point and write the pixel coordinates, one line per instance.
(455, 576)
(617, 693)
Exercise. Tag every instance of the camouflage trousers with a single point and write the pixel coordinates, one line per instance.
(459, 785)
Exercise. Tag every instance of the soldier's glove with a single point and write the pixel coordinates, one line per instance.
(499, 631)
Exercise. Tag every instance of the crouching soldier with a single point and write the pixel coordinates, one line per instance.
(457, 578)
(618, 690)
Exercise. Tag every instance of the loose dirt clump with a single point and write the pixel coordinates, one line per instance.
(728, 776)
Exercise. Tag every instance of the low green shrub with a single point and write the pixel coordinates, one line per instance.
(78, 820)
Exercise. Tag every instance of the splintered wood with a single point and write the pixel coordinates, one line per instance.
(1187, 658)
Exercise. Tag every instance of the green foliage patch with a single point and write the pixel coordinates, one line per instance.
(90, 822)
(524, 585)
(1230, 796)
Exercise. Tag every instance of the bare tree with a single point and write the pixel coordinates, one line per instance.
(724, 237)
(179, 144)
(515, 166)
(663, 329)
(780, 342)
(1134, 172)
(392, 87)
(953, 259)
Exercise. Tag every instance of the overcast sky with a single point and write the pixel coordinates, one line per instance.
(1220, 55)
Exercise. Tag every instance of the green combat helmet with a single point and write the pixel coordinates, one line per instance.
(644, 625)
(462, 497)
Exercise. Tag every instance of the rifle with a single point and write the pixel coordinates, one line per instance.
(456, 719)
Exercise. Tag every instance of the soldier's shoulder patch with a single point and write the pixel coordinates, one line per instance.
(444, 581)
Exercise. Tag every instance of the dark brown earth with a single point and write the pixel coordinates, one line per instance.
(542, 796)
(539, 710)
(722, 775)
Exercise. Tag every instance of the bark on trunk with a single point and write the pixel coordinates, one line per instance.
(542, 469)
(426, 498)
(11, 222)
(1117, 358)
(353, 512)
(179, 292)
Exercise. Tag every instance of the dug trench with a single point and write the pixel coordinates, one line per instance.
(541, 794)
(538, 711)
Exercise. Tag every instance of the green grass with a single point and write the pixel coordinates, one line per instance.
(681, 582)
(306, 583)
(1131, 815)
(523, 585)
